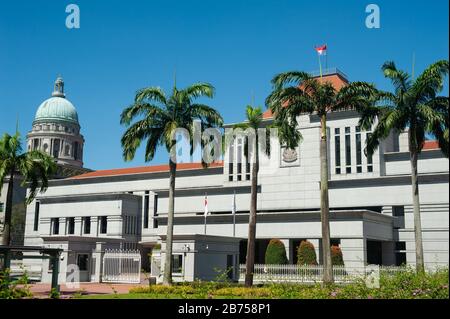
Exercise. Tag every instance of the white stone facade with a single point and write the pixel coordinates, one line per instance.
(371, 212)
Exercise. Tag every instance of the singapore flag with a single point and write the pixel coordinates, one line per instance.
(321, 50)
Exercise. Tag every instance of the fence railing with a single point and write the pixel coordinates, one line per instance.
(18, 268)
(312, 273)
(121, 266)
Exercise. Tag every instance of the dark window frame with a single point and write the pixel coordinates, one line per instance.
(86, 225)
(37, 207)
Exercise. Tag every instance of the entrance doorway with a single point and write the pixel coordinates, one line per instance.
(83, 266)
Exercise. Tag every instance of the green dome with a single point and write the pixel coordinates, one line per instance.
(57, 108)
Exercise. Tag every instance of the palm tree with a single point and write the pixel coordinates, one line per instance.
(35, 167)
(157, 117)
(296, 93)
(416, 106)
(254, 118)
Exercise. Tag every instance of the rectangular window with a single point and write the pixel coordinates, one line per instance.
(56, 148)
(70, 225)
(55, 226)
(35, 144)
(36, 215)
(358, 150)
(146, 208)
(103, 224)
(231, 162)
(76, 150)
(177, 264)
(2, 207)
(82, 262)
(155, 212)
(348, 151)
(398, 211)
(239, 160)
(337, 150)
(247, 160)
(369, 158)
(87, 225)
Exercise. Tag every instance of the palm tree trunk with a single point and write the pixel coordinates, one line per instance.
(250, 261)
(324, 204)
(8, 211)
(167, 280)
(420, 266)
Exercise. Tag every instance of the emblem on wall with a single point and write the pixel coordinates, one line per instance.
(289, 155)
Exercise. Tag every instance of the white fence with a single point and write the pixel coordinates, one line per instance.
(18, 269)
(311, 273)
(122, 266)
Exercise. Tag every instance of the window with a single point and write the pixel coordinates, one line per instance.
(358, 150)
(75, 150)
(56, 148)
(146, 208)
(55, 226)
(398, 211)
(239, 160)
(35, 144)
(348, 151)
(247, 161)
(231, 162)
(87, 225)
(82, 262)
(2, 207)
(337, 150)
(67, 150)
(36, 215)
(369, 157)
(103, 224)
(177, 264)
(155, 211)
(70, 225)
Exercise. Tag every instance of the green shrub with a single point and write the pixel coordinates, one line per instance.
(276, 253)
(306, 254)
(336, 256)
(13, 289)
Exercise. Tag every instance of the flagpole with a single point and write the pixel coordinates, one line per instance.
(206, 205)
(320, 66)
(234, 214)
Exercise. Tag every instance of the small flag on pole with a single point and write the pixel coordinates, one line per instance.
(321, 50)
(206, 209)
(233, 204)
(206, 205)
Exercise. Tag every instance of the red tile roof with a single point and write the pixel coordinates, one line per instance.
(431, 145)
(144, 170)
(335, 79)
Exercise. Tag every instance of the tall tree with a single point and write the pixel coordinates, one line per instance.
(35, 168)
(157, 118)
(414, 106)
(252, 127)
(296, 93)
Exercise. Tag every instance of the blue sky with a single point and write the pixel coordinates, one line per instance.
(236, 45)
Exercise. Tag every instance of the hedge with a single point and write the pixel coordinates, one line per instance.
(276, 253)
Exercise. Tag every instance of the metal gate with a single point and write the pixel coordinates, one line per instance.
(122, 266)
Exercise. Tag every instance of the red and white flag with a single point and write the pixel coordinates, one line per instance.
(206, 205)
(321, 50)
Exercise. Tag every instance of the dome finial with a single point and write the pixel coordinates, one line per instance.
(59, 87)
